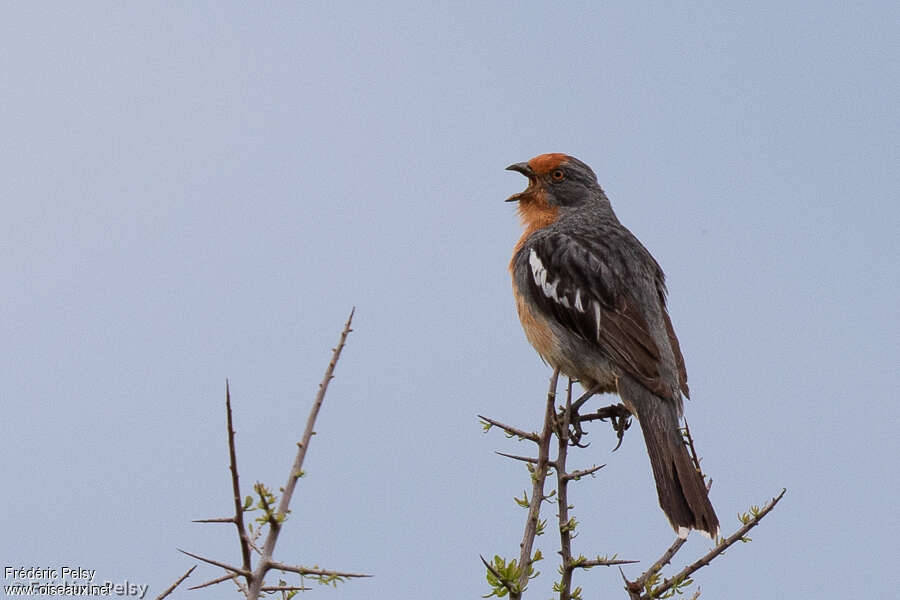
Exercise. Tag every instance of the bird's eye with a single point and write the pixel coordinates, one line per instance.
(558, 175)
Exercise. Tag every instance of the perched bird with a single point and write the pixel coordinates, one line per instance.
(592, 302)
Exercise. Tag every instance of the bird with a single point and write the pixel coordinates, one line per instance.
(592, 302)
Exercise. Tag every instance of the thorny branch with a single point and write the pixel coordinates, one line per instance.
(557, 424)
(567, 525)
(723, 544)
(537, 488)
(253, 578)
(562, 496)
(564, 424)
(526, 459)
(225, 577)
(656, 567)
(317, 572)
(236, 488)
(512, 431)
(178, 581)
(689, 442)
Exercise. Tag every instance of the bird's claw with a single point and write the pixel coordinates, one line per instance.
(618, 415)
(620, 419)
(576, 432)
(620, 424)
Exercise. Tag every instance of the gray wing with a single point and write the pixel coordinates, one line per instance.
(580, 282)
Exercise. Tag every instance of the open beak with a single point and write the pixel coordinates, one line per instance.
(525, 170)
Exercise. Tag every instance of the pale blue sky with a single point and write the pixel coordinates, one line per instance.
(198, 191)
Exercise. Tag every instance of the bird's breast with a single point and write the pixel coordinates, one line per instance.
(538, 331)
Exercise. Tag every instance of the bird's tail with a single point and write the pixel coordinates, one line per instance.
(679, 484)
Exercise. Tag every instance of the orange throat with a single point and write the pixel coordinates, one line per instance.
(535, 214)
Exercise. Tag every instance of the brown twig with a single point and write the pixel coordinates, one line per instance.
(537, 489)
(178, 581)
(579, 473)
(567, 525)
(562, 498)
(253, 585)
(254, 538)
(527, 459)
(719, 549)
(602, 562)
(512, 431)
(312, 571)
(216, 563)
(236, 487)
(238, 518)
(558, 424)
(665, 559)
(689, 443)
(214, 581)
(265, 559)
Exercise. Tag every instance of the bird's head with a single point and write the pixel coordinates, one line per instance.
(556, 180)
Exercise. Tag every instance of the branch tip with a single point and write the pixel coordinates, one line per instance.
(178, 581)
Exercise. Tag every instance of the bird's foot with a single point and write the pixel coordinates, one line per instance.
(618, 415)
(585, 397)
(575, 430)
